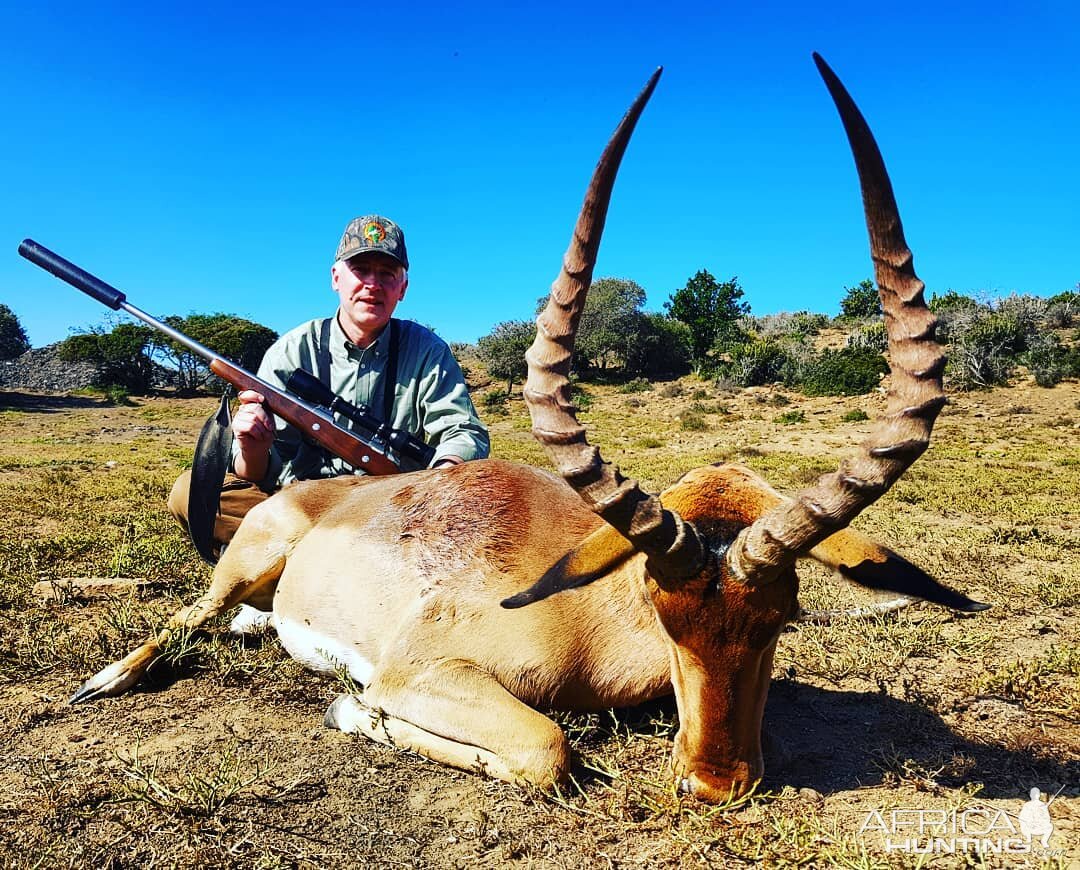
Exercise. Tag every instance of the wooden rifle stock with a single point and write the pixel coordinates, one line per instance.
(313, 422)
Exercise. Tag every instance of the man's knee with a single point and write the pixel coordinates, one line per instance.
(177, 503)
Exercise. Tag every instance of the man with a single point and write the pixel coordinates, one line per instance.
(358, 353)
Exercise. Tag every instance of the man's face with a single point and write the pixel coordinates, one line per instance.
(369, 287)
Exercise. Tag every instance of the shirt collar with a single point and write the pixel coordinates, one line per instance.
(342, 346)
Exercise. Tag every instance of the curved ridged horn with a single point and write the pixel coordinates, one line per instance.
(776, 539)
(672, 545)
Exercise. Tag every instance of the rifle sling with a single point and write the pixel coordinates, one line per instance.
(208, 469)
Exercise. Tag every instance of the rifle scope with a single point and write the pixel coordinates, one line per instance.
(311, 389)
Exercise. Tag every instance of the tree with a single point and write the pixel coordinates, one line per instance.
(503, 350)
(121, 355)
(610, 322)
(242, 341)
(13, 340)
(861, 301)
(710, 308)
(662, 348)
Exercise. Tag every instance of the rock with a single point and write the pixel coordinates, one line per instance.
(86, 587)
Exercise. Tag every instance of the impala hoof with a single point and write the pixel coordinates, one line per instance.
(251, 621)
(344, 714)
(106, 683)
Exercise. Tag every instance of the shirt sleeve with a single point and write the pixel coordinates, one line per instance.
(447, 414)
(281, 357)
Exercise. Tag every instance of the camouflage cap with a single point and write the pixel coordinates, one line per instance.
(372, 233)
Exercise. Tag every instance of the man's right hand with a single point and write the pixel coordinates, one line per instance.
(254, 429)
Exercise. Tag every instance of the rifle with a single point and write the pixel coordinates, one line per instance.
(313, 415)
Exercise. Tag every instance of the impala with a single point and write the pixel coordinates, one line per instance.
(465, 601)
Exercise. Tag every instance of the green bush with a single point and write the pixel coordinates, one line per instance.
(950, 300)
(1050, 361)
(693, 421)
(860, 302)
(789, 418)
(121, 356)
(798, 324)
(581, 398)
(856, 415)
(872, 337)
(847, 372)
(13, 340)
(986, 343)
(1062, 309)
(494, 396)
(756, 362)
(637, 385)
(117, 395)
(660, 349)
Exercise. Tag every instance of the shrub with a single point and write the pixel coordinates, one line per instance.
(580, 397)
(661, 349)
(985, 343)
(789, 418)
(637, 385)
(756, 362)
(950, 300)
(494, 396)
(693, 421)
(847, 372)
(799, 324)
(117, 395)
(1050, 361)
(1062, 309)
(861, 302)
(872, 337)
(13, 340)
(503, 350)
(120, 355)
(856, 415)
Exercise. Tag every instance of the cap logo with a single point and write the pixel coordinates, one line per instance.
(374, 233)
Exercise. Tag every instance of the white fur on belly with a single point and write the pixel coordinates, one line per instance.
(321, 653)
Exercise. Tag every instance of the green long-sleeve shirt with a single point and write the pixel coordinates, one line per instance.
(431, 400)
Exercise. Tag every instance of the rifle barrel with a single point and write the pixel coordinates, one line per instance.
(92, 286)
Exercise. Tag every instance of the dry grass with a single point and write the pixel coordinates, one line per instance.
(221, 760)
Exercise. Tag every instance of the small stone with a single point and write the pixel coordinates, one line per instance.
(812, 795)
(86, 587)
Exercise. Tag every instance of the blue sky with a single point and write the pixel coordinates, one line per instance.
(206, 158)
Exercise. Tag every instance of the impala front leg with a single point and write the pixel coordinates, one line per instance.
(458, 715)
(248, 571)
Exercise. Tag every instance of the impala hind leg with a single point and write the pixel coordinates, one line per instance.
(248, 571)
(459, 716)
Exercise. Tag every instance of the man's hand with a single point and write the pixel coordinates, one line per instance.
(254, 429)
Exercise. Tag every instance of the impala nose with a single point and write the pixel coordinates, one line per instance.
(716, 788)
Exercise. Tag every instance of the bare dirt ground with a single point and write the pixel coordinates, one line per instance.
(222, 759)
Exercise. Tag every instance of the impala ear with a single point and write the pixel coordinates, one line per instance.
(866, 562)
(602, 551)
